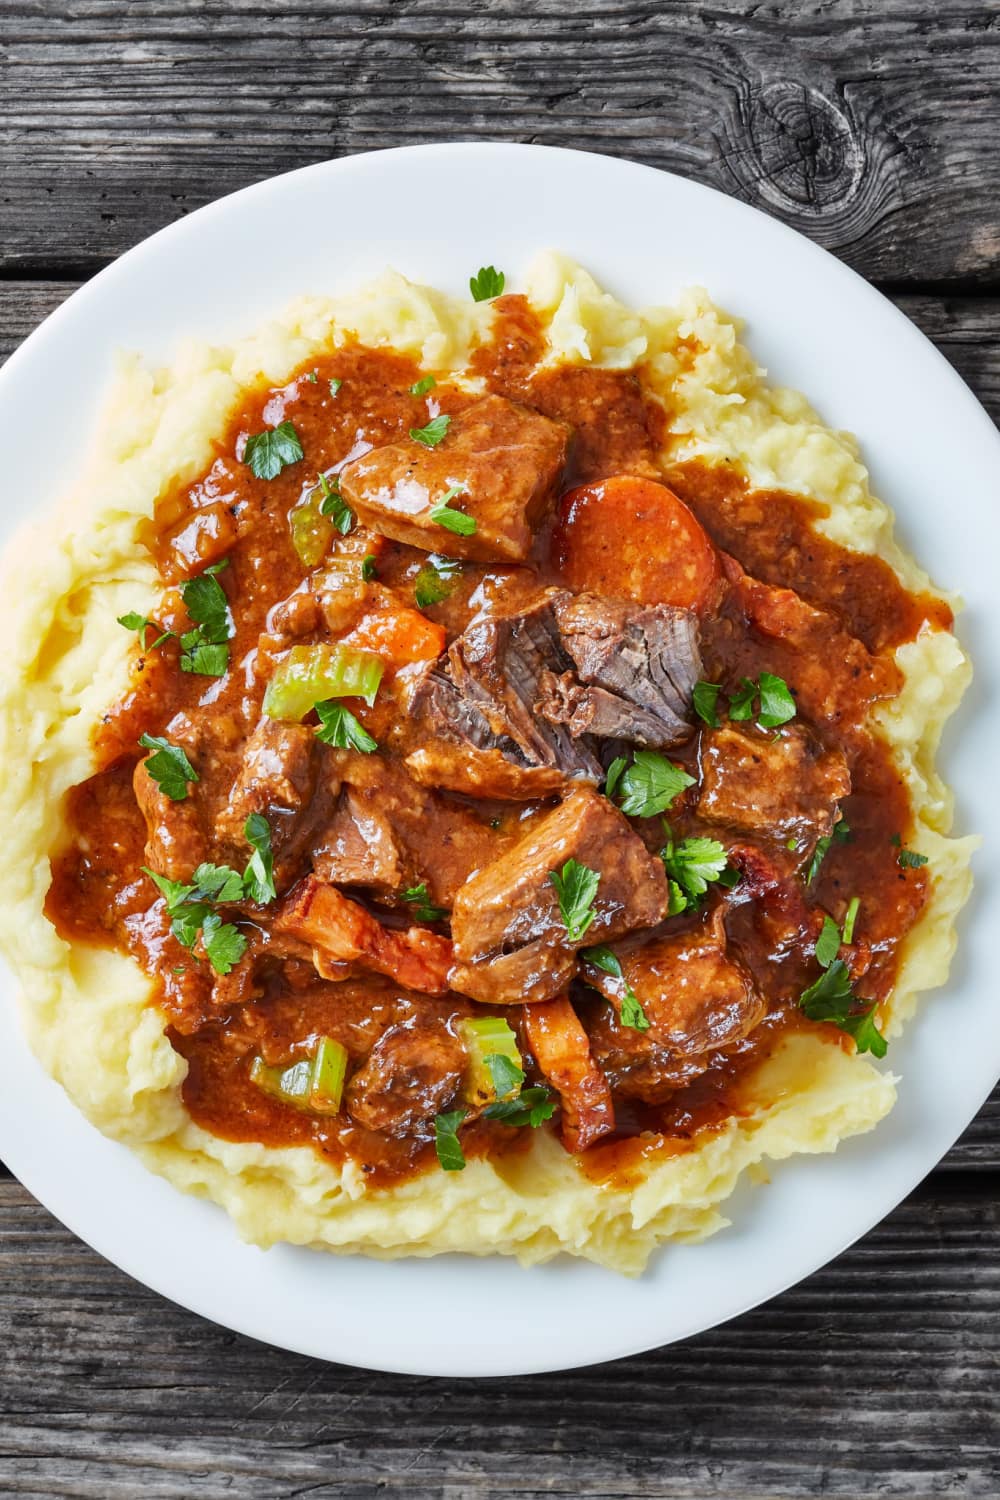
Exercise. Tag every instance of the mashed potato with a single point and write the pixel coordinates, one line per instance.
(87, 1012)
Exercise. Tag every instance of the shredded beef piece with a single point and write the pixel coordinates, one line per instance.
(771, 784)
(412, 1074)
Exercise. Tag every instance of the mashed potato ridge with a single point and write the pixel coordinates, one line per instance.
(87, 1011)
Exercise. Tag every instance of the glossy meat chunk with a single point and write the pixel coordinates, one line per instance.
(278, 778)
(389, 833)
(484, 772)
(505, 458)
(413, 1073)
(697, 998)
(341, 932)
(774, 785)
(562, 1052)
(176, 838)
(634, 671)
(511, 942)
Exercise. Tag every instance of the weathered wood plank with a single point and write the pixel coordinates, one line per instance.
(877, 1375)
(870, 124)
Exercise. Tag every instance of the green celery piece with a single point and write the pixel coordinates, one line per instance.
(312, 674)
(328, 1074)
(483, 1037)
(312, 533)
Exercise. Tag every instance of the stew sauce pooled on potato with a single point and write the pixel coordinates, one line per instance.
(481, 774)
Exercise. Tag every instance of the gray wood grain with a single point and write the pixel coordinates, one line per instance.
(870, 124)
(876, 1376)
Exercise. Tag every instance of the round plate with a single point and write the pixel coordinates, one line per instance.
(437, 213)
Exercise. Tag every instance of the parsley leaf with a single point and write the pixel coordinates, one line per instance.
(423, 908)
(676, 899)
(340, 728)
(741, 702)
(168, 766)
(436, 580)
(651, 784)
(908, 859)
(575, 887)
(174, 892)
(831, 998)
(486, 284)
(531, 1107)
(335, 506)
(335, 385)
(186, 922)
(828, 943)
(141, 624)
(777, 705)
(268, 452)
(224, 944)
(258, 878)
(507, 1077)
(433, 433)
(206, 660)
(446, 1141)
(204, 649)
(850, 917)
(841, 832)
(369, 569)
(421, 387)
(694, 864)
(218, 883)
(704, 698)
(453, 520)
(614, 775)
(631, 1013)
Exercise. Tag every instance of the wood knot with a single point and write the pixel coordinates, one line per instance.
(796, 149)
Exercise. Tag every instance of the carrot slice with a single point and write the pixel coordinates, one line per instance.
(632, 538)
(401, 635)
(341, 931)
(562, 1052)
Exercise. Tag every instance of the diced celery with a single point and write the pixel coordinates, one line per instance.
(483, 1037)
(329, 1072)
(312, 674)
(312, 533)
(314, 1083)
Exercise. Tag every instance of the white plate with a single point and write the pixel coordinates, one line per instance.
(437, 213)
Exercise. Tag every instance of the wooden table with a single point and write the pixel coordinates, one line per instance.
(871, 125)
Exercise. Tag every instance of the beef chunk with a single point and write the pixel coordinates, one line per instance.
(389, 833)
(773, 785)
(697, 998)
(510, 939)
(341, 932)
(412, 1074)
(507, 461)
(482, 773)
(177, 842)
(277, 778)
(636, 668)
(563, 1055)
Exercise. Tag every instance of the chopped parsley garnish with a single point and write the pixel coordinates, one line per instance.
(220, 883)
(258, 878)
(141, 624)
(369, 567)
(423, 908)
(651, 783)
(204, 649)
(436, 580)
(335, 385)
(446, 1141)
(777, 705)
(168, 766)
(506, 1076)
(693, 864)
(705, 697)
(421, 387)
(908, 859)
(841, 832)
(614, 775)
(339, 727)
(433, 433)
(676, 899)
(575, 887)
(268, 452)
(487, 283)
(224, 944)
(531, 1107)
(828, 943)
(832, 999)
(851, 916)
(334, 506)
(312, 377)
(632, 1013)
(453, 520)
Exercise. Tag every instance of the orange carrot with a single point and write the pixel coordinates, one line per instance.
(401, 635)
